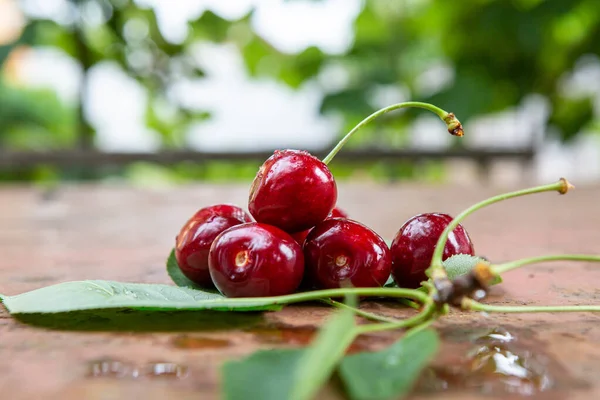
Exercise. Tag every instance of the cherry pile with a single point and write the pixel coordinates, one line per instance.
(294, 237)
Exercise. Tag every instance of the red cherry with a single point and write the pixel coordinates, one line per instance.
(413, 246)
(293, 190)
(337, 212)
(196, 236)
(344, 253)
(255, 260)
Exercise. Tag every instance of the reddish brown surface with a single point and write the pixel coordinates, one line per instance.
(125, 234)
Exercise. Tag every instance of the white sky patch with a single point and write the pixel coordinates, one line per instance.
(60, 11)
(251, 114)
(116, 108)
(51, 68)
(292, 26)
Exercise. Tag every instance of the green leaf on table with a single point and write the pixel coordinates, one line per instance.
(179, 278)
(92, 295)
(265, 374)
(390, 373)
(320, 359)
(461, 264)
(294, 374)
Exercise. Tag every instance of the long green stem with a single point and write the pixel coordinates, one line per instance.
(323, 294)
(502, 268)
(423, 316)
(470, 304)
(359, 312)
(454, 126)
(436, 268)
(418, 328)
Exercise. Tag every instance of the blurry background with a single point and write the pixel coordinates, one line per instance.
(157, 91)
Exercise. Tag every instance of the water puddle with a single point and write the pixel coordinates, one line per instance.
(494, 361)
(112, 368)
(165, 370)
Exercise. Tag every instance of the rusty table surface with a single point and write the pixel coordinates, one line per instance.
(125, 234)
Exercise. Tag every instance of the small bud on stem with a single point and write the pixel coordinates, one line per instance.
(452, 123)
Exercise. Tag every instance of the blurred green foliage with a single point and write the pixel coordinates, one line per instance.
(500, 51)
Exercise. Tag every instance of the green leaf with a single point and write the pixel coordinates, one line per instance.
(390, 282)
(390, 373)
(265, 375)
(296, 374)
(179, 278)
(461, 264)
(90, 295)
(319, 361)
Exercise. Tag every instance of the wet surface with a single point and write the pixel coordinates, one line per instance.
(125, 234)
(301, 336)
(496, 361)
(112, 368)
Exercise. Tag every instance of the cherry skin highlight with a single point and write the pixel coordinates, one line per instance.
(337, 212)
(343, 253)
(255, 260)
(414, 244)
(293, 190)
(193, 242)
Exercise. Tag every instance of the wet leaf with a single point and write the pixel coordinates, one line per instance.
(390, 373)
(90, 295)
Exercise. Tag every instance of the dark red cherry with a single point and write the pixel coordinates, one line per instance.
(335, 213)
(193, 242)
(414, 243)
(255, 260)
(344, 253)
(293, 190)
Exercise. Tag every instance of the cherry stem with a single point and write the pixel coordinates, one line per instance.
(436, 270)
(453, 124)
(327, 293)
(470, 304)
(423, 317)
(502, 268)
(361, 313)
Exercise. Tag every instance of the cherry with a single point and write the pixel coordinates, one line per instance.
(193, 242)
(337, 212)
(413, 246)
(341, 252)
(255, 260)
(293, 190)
